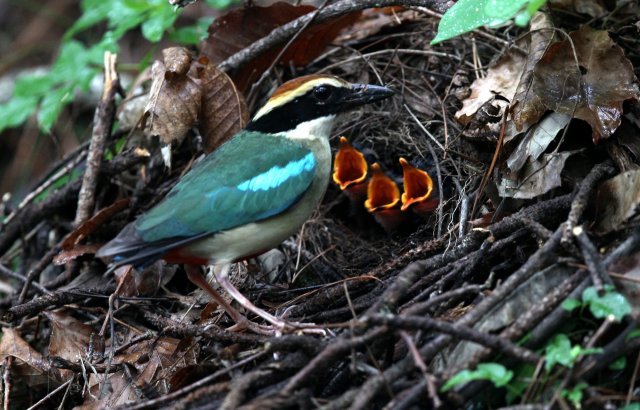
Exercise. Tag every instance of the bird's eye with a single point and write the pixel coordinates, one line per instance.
(322, 93)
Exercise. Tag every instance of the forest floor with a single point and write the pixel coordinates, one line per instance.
(514, 283)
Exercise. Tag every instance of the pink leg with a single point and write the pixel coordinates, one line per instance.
(194, 275)
(223, 280)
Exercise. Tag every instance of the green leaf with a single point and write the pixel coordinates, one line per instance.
(494, 372)
(51, 106)
(633, 334)
(502, 10)
(521, 381)
(611, 303)
(162, 17)
(32, 85)
(619, 364)
(575, 395)
(631, 406)
(16, 111)
(93, 12)
(559, 350)
(570, 304)
(221, 4)
(467, 15)
(192, 35)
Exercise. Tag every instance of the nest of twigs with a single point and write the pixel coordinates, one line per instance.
(478, 281)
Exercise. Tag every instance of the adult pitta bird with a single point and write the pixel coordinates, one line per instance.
(250, 194)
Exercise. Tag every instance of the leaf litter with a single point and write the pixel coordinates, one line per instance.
(434, 289)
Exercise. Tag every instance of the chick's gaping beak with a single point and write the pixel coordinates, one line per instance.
(361, 94)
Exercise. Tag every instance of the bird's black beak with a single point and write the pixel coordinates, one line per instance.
(361, 94)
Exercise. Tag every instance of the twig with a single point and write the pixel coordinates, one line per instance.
(588, 184)
(329, 355)
(55, 299)
(50, 395)
(62, 199)
(283, 33)
(6, 271)
(456, 330)
(35, 271)
(168, 398)
(102, 124)
(599, 274)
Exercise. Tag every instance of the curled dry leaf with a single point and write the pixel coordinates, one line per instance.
(240, 28)
(95, 222)
(501, 80)
(224, 111)
(177, 61)
(526, 107)
(595, 88)
(174, 101)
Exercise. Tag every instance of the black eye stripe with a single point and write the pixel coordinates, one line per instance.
(302, 108)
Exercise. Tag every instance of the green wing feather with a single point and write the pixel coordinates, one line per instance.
(251, 177)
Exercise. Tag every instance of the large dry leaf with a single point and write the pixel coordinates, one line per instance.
(174, 99)
(224, 111)
(242, 27)
(32, 367)
(537, 177)
(69, 336)
(501, 79)
(617, 201)
(595, 89)
(537, 139)
(526, 107)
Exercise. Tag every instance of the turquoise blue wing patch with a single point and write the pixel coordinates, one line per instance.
(251, 177)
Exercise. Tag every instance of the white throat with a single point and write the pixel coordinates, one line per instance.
(313, 129)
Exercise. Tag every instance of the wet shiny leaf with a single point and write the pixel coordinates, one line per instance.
(595, 88)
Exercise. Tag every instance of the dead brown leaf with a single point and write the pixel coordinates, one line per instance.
(526, 107)
(501, 79)
(224, 111)
(31, 366)
(537, 177)
(69, 336)
(592, 91)
(153, 363)
(240, 28)
(174, 100)
(73, 254)
(92, 224)
(134, 282)
(177, 61)
(537, 139)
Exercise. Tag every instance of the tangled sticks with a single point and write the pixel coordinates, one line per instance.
(398, 344)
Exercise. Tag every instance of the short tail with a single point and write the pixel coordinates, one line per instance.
(129, 248)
